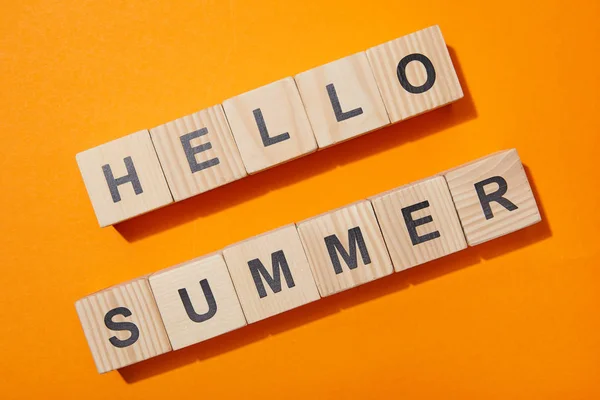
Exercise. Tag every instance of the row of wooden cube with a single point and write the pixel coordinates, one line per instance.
(297, 264)
(269, 125)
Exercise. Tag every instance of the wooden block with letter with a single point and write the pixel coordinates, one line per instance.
(197, 152)
(342, 99)
(124, 178)
(271, 273)
(345, 248)
(122, 325)
(197, 300)
(415, 73)
(492, 196)
(270, 125)
(419, 222)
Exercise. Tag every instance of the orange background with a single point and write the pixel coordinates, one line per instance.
(517, 317)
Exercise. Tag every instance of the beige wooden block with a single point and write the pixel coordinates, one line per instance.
(123, 178)
(197, 300)
(270, 125)
(492, 196)
(419, 222)
(197, 152)
(345, 248)
(415, 73)
(271, 273)
(122, 325)
(342, 99)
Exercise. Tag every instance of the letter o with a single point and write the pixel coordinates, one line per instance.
(401, 71)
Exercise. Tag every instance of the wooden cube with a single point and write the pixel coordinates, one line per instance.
(123, 178)
(197, 300)
(270, 125)
(271, 273)
(197, 152)
(492, 196)
(419, 222)
(345, 248)
(415, 73)
(342, 99)
(122, 325)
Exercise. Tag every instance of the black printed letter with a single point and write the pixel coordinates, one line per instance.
(486, 199)
(210, 300)
(190, 152)
(411, 224)
(337, 108)
(264, 133)
(279, 264)
(401, 72)
(121, 326)
(355, 239)
(113, 184)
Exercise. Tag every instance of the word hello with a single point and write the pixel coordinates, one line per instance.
(297, 264)
(269, 126)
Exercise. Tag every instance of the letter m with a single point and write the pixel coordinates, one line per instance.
(259, 272)
(335, 249)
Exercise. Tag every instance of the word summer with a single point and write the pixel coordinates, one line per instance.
(297, 264)
(270, 125)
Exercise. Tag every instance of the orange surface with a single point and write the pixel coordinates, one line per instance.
(515, 318)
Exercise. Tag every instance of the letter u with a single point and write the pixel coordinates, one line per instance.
(210, 300)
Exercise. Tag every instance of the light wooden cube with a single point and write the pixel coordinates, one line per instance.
(492, 196)
(415, 73)
(270, 125)
(345, 248)
(124, 178)
(419, 222)
(197, 300)
(271, 273)
(342, 99)
(197, 152)
(122, 325)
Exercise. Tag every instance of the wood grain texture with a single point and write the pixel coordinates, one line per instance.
(461, 181)
(187, 180)
(136, 296)
(338, 222)
(182, 330)
(304, 289)
(139, 147)
(388, 208)
(282, 111)
(400, 103)
(355, 88)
